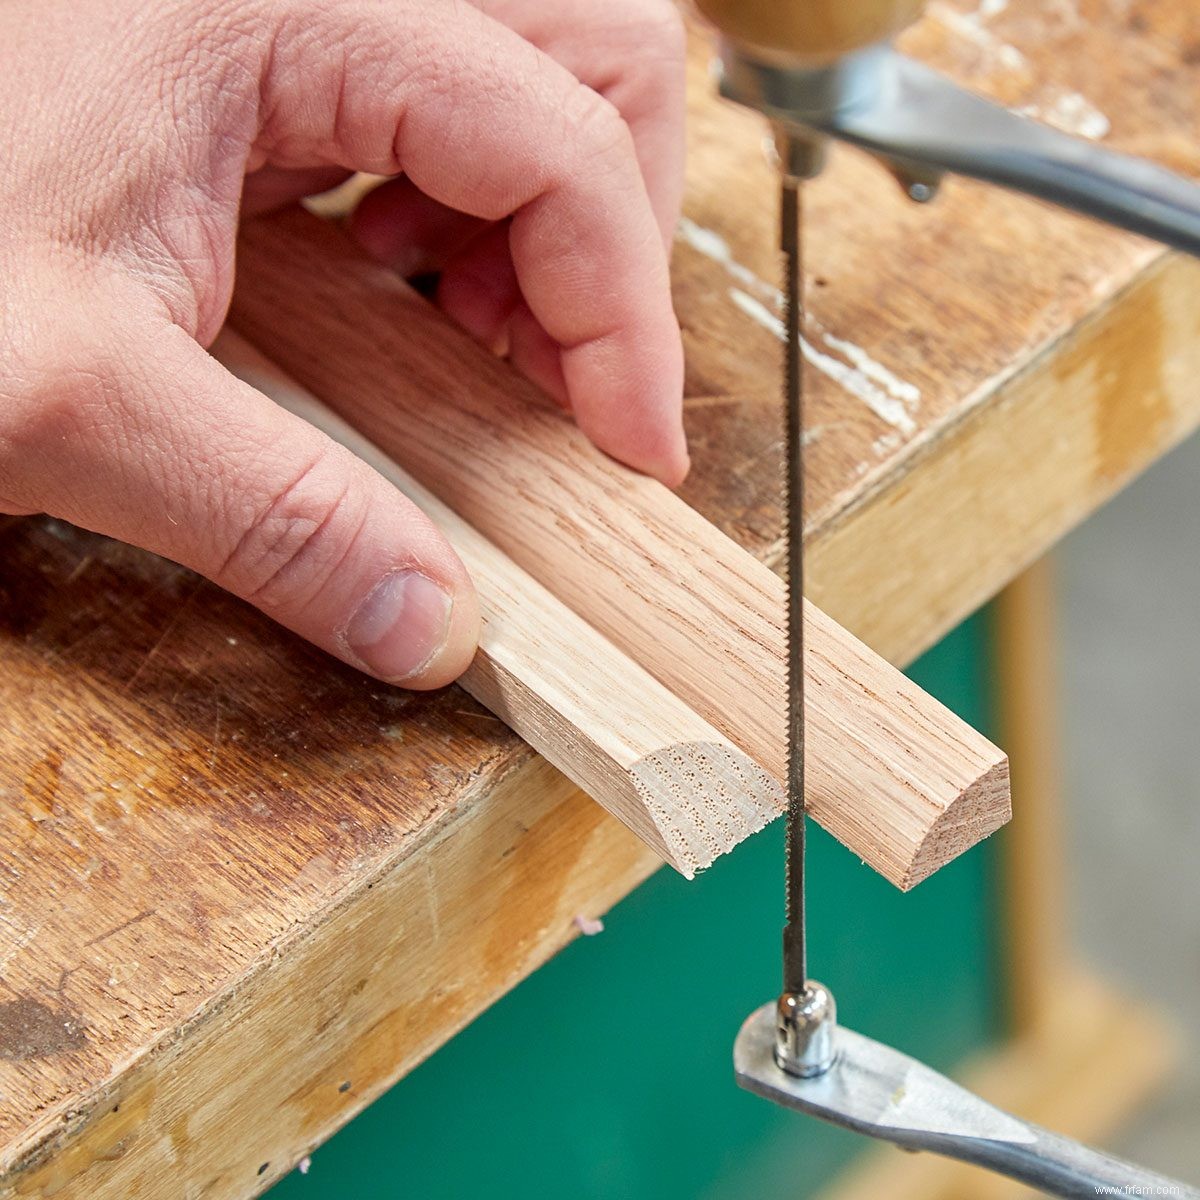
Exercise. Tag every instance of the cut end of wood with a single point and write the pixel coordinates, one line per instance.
(972, 816)
(705, 798)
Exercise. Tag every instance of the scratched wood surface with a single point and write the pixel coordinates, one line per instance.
(236, 876)
(922, 318)
(914, 309)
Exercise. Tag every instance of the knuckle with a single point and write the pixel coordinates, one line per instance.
(60, 385)
(644, 32)
(663, 31)
(202, 36)
(596, 128)
(285, 551)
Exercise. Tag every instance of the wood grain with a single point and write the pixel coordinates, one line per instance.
(323, 1016)
(607, 724)
(1042, 361)
(1099, 404)
(982, 372)
(184, 789)
(892, 773)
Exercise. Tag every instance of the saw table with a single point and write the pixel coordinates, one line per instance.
(241, 882)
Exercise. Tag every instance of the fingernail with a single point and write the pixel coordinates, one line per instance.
(400, 627)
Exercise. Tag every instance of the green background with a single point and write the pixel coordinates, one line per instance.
(608, 1072)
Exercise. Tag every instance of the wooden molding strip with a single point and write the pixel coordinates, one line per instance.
(892, 773)
(607, 724)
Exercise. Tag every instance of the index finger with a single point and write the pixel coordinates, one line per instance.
(484, 122)
(633, 52)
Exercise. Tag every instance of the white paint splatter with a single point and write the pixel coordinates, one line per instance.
(897, 388)
(588, 926)
(1072, 113)
(713, 245)
(862, 376)
(972, 28)
(1010, 58)
(758, 312)
(304, 1165)
(885, 407)
(967, 25)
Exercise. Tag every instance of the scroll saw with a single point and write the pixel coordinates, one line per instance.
(821, 70)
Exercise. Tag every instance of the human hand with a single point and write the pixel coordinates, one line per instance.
(547, 206)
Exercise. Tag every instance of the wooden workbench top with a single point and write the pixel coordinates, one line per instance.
(243, 888)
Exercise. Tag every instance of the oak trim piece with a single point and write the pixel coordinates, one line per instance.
(610, 727)
(892, 773)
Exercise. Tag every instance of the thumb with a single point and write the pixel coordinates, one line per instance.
(164, 448)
